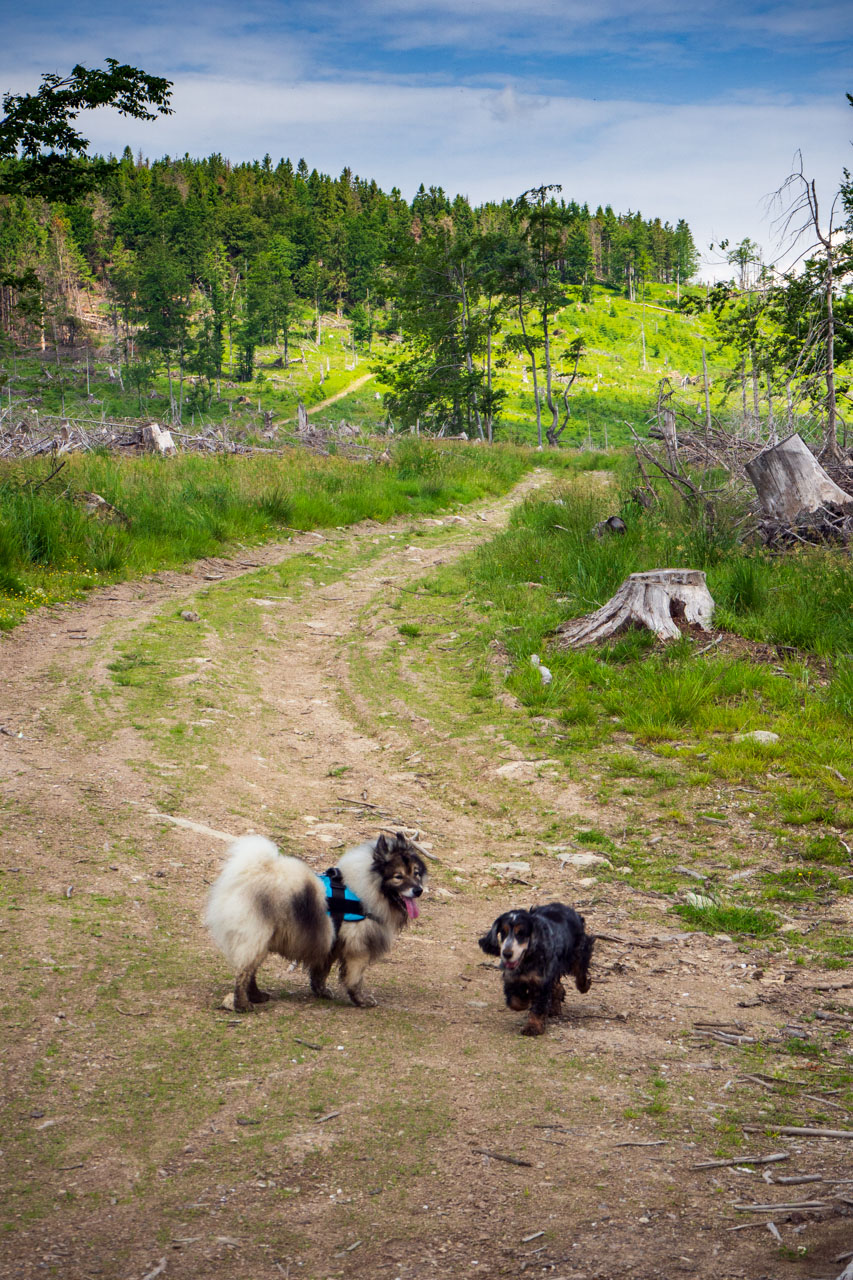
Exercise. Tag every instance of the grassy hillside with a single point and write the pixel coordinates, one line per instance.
(617, 383)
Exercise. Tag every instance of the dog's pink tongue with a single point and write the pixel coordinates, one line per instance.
(411, 908)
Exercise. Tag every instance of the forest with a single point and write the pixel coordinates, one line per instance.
(501, 321)
(190, 266)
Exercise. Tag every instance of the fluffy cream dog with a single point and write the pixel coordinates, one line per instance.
(264, 901)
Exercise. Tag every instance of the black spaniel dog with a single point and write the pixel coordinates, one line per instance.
(537, 948)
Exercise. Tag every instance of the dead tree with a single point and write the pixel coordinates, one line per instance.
(802, 217)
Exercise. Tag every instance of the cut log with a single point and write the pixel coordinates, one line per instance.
(655, 600)
(790, 481)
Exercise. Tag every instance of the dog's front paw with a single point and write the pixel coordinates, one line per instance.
(533, 1027)
(323, 993)
(363, 999)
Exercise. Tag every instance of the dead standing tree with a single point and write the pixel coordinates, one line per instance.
(801, 217)
(673, 470)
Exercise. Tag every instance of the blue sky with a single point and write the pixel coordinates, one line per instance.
(678, 110)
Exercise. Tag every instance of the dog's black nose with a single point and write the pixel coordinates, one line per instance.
(417, 891)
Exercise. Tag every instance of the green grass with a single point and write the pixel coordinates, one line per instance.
(738, 921)
(653, 732)
(190, 506)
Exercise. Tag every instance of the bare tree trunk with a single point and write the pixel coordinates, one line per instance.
(553, 433)
(707, 391)
(469, 364)
(830, 439)
(489, 421)
(528, 344)
(771, 423)
(806, 202)
(670, 438)
(643, 324)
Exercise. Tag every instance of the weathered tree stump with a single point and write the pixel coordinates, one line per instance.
(157, 439)
(302, 423)
(654, 600)
(790, 481)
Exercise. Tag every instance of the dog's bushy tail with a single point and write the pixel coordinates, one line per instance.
(581, 962)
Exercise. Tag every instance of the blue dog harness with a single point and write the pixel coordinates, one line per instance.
(341, 903)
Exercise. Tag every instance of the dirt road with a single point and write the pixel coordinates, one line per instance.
(148, 1131)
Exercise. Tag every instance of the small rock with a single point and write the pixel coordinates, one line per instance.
(190, 615)
(764, 736)
(506, 868)
(583, 861)
(228, 1002)
(524, 768)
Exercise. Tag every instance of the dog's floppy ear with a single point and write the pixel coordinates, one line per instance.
(489, 941)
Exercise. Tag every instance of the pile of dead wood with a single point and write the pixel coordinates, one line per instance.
(32, 436)
(794, 498)
(42, 434)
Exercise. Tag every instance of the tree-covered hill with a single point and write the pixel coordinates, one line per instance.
(177, 259)
(534, 318)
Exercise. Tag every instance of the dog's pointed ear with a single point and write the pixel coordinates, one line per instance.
(382, 850)
(490, 942)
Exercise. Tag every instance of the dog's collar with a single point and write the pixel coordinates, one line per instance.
(341, 903)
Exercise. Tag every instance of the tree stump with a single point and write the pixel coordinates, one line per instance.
(157, 439)
(790, 481)
(654, 600)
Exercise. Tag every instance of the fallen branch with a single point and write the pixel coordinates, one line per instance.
(796, 1206)
(627, 942)
(496, 1155)
(798, 1131)
(158, 1270)
(720, 1164)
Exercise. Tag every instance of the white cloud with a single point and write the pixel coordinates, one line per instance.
(712, 164)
